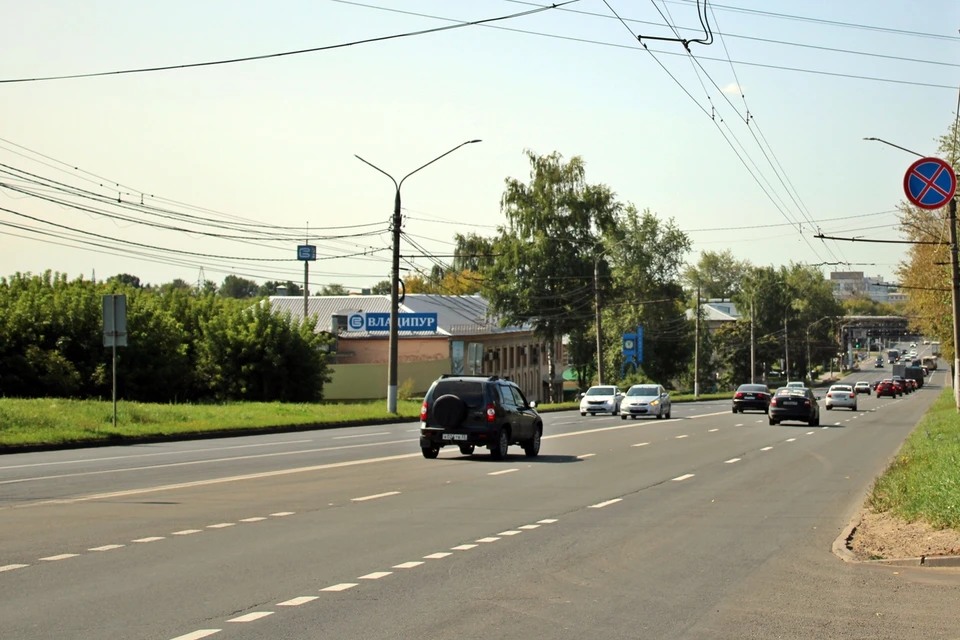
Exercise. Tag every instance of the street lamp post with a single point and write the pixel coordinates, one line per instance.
(395, 276)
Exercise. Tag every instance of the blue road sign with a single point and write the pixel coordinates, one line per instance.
(930, 183)
(306, 252)
(630, 344)
(380, 322)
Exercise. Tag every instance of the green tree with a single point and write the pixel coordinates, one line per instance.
(382, 288)
(719, 274)
(333, 290)
(269, 288)
(240, 288)
(864, 305)
(125, 279)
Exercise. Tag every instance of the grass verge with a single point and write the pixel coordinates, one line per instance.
(58, 421)
(923, 482)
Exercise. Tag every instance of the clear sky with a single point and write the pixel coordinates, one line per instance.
(273, 141)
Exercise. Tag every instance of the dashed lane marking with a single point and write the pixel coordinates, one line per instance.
(464, 547)
(712, 430)
(488, 539)
(62, 556)
(185, 532)
(407, 565)
(150, 539)
(374, 496)
(601, 505)
(376, 575)
(616, 428)
(221, 525)
(810, 433)
(107, 547)
(198, 634)
(766, 449)
(738, 424)
(363, 435)
(642, 444)
(527, 527)
(731, 460)
(296, 602)
(824, 427)
(283, 514)
(585, 456)
(343, 586)
(681, 436)
(511, 532)
(683, 477)
(11, 567)
(252, 616)
(256, 519)
(547, 521)
(791, 439)
(759, 421)
(438, 556)
(500, 473)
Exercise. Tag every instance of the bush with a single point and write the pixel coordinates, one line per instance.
(405, 391)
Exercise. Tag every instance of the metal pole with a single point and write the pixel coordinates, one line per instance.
(696, 349)
(306, 289)
(114, 349)
(394, 309)
(596, 300)
(809, 370)
(753, 362)
(955, 289)
(786, 347)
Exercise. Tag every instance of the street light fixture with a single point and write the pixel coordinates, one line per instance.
(395, 275)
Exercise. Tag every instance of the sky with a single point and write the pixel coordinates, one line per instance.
(264, 150)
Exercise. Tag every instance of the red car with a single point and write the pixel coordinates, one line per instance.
(889, 388)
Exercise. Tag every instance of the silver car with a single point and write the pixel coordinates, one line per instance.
(645, 400)
(601, 399)
(841, 395)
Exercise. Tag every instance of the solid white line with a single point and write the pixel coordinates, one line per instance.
(11, 567)
(585, 456)
(464, 547)
(791, 439)
(601, 505)
(150, 539)
(62, 556)
(738, 425)
(547, 521)
(362, 435)
(529, 527)
(296, 602)
(196, 635)
(488, 539)
(500, 473)
(282, 514)
(437, 556)
(343, 586)
(222, 525)
(250, 617)
(682, 436)
(255, 519)
(511, 532)
(642, 444)
(731, 460)
(810, 433)
(107, 547)
(683, 477)
(766, 449)
(407, 565)
(712, 430)
(185, 532)
(375, 496)
(376, 575)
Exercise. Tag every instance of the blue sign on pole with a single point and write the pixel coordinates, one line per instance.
(306, 252)
(629, 344)
(930, 183)
(380, 322)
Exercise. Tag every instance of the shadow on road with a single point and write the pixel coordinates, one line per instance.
(509, 459)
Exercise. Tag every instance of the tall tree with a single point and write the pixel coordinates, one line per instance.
(333, 290)
(125, 279)
(382, 288)
(719, 274)
(270, 287)
(236, 287)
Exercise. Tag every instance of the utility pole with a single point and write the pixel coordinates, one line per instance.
(306, 280)
(955, 289)
(596, 301)
(696, 349)
(786, 347)
(753, 365)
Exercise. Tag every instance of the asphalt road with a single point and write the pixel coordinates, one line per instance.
(709, 525)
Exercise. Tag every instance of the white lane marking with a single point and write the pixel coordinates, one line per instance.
(407, 565)
(375, 496)
(642, 444)
(528, 527)
(631, 425)
(150, 539)
(254, 519)
(252, 616)
(766, 449)
(437, 556)
(185, 532)
(791, 439)
(464, 547)
(601, 505)
(707, 415)
(682, 436)
(282, 514)
(221, 525)
(199, 633)
(376, 575)
(738, 425)
(488, 539)
(836, 424)
(712, 430)
(62, 556)
(296, 602)
(412, 430)
(107, 547)
(11, 567)
(363, 435)
(759, 421)
(683, 477)
(500, 473)
(547, 521)
(810, 433)
(343, 586)
(824, 427)
(511, 532)
(212, 481)
(585, 456)
(231, 459)
(847, 420)
(148, 455)
(731, 460)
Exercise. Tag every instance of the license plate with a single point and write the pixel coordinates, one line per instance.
(454, 436)
(748, 396)
(789, 404)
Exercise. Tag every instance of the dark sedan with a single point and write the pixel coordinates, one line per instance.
(751, 396)
(797, 404)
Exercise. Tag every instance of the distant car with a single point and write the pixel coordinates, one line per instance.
(841, 395)
(913, 345)
(875, 384)
(879, 364)
(903, 384)
(926, 342)
(601, 399)
(862, 387)
(913, 384)
(886, 388)
(751, 396)
(796, 384)
(791, 403)
(645, 400)
(898, 387)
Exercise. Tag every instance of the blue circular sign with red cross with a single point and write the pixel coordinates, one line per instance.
(930, 183)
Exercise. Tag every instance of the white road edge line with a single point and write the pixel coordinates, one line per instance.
(296, 602)
(500, 473)
(601, 505)
(343, 586)
(252, 616)
(199, 633)
(731, 460)
(683, 477)
(375, 496)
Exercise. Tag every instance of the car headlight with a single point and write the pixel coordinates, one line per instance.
(654, 403)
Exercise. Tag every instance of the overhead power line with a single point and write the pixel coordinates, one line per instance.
(211, 63)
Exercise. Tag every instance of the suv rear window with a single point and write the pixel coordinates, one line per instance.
(470, 391)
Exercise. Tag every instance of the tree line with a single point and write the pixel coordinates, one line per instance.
(184, 344)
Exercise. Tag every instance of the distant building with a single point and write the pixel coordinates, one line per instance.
(849, 284)
(716, 313)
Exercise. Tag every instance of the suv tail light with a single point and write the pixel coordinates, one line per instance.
(491, 413)
(738, 395)
(423, 411)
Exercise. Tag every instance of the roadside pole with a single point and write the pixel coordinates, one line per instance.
(696, 349)
(955, 291)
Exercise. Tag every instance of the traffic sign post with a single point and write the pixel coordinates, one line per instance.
(307, 253)
(930, 183)
(114, 335)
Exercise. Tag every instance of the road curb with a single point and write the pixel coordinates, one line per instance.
(841, 548)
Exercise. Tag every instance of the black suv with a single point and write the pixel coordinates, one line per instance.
(471, 411)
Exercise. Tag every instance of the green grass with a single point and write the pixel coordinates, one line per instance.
(58, 421)
(923, 482)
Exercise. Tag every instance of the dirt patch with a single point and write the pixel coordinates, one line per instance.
(884, 536)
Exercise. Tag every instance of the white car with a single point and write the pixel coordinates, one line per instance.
(796, 384)
(645, 400)
(841, 395)
(926, 342)
(601, 399)
(862, 387)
